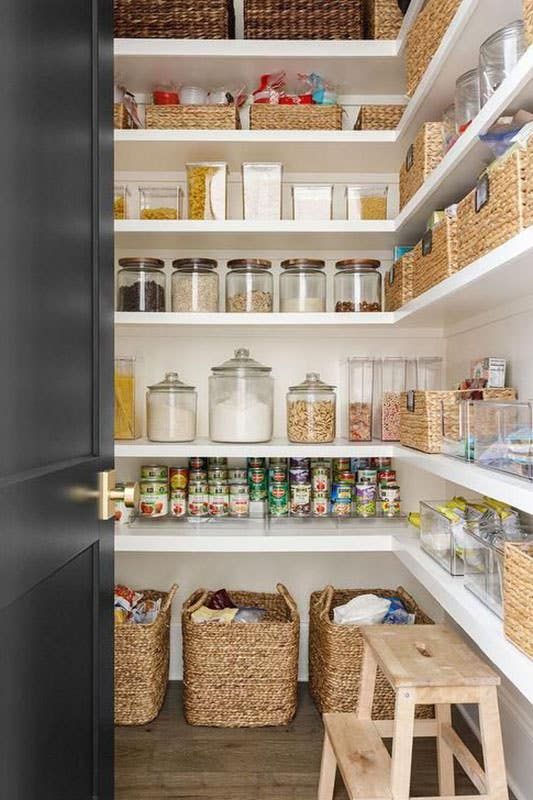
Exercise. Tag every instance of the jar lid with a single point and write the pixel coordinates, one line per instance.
(184, 263)
(241, 364)
(259, 263)
(358, 263)
(141, 263)
(466, 77)
(312, 383)
(302, 263)
(171, 383)
(509, 31)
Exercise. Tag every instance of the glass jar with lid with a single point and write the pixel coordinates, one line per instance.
(467, 99)
(141, 284)
(171, 410)
(302, 286)
(241, 400)
(249, 285)
(311, 411)
(358, 285)
(498, 56)
(195, 285)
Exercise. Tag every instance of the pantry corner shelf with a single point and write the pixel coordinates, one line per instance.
(142, 448)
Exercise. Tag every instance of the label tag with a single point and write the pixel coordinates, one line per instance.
(410, 157)
(391, 275)
(411, 400)
(427, 243)
(482, 192)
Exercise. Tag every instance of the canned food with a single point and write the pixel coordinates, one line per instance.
(153, 501)
(390, 509)
(341, 507)
(380, 462)
(320, 480)
(301, 499)
(198, 505)
(341, 465)
(239, 500)
(217, 461)
(278, 461)
(154, 472)
(298, 475)
(277, 474)
(341, 491)
(179, 477)
(121, 513)
(320, 504)
(386, 476)
(198, 476)
(239, 475)
(359, 463)
(346, 477)
(257, 482)
(255, 463)
(367, 476)
(218, 500)
(278, 499)
(390, 492)
(217, 474)
(365, 500)
(198, 462)
(300, 462)
(178, 502)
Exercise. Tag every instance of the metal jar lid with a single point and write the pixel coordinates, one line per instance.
(194, 263)
(241, 364)
(249, 263)
(303, 263)
(312, 383)
(356, 264)
(171, 383)
(141, 263)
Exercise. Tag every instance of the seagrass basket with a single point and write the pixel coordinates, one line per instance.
(434, 258)
(422, 157)
(383, 19)
(303, 19)
(398, 283)
(424, 38)
(528, 20)
(141, 664)
(336, 652)
(268, 117)
(379, 118)
(121, 118)
(209, 117)
(174, 19)
(241, 674)
(518, 596)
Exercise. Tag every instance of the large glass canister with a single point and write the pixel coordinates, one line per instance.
(125, 399)
(360, 393)
(241, 400)
(498, 56)
(428, 373)
(393, 383)
(141, 284)
(171, 410)
(302, 285)
(311, 411)
(357, 285)
(195, 285)
(249, 285)
(467, 99)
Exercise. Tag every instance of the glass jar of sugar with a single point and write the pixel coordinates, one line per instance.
(171, 410)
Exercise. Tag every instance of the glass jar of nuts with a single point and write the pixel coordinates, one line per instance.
(311, 411)
(195, 285)
(357, 285)
(249, 285)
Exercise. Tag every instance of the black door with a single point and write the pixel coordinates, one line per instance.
(56, 404)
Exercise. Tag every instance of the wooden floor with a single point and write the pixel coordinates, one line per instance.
(170, 759)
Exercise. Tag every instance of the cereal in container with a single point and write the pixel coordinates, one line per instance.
(360, 389)
(393, 383)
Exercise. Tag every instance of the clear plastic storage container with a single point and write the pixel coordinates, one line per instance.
(456, 436)
(311, 411)
(498, 56)
(313, 203)
(428, 374)
(302, 286)
(121, 201)
(393, 383)
(502, 436)
(241, 400)
(367, 201)
(360, 393)
(171, 410)
(249, 285)
(159, 202)
(357, 285)
(442, 535)
(261, 186)
(195, 285)
(207, 190)
(467, 99)
(141, 284)
(126, 416)
(449, 129)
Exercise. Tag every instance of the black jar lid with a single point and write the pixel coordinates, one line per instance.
(303, 263)
(367, 264)
(141, 263)
(195, 263)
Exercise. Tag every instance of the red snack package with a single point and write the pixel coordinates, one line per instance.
(219, 600)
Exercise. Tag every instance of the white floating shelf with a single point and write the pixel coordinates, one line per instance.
(161, 321)
(141, 448)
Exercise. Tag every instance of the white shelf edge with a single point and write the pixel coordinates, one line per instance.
(237, 226)
(257, 48)
(243, 136)
(276, 319)
(141, 448)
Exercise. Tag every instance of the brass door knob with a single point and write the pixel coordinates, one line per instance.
(130, 494)
(108, 493)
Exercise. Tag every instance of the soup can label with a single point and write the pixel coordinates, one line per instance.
(365, 500)
(386, 476)
(341, 465)
(153, 501)
(217, 474)
(198, 462)
(154, 472)
(178, 502)
(237, 475)
(219, 500)
(257, 482)
(320, 504)
(299, 475)
(239, 500)
(198, 505)
(278, 499)
(301, 499)
(367, 476)
(179, 477)
(320, 480)
(346, 477)
(341, 507)
(341, 491)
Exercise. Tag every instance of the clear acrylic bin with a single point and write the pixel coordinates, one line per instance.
(207, 190)
(428, 373)
(442, 535)
(456, 435)
(360, 392)
(159, 202)
(313, 202)
(121, 197)
(366, 201)
(261, 187)
(502, 436)
(483, 568)
(393, 382)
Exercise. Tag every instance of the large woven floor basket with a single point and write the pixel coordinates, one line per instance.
(518, 596)
(141, 664)
(242, 674)
(174, 19)
(303, 19)
(336, 652)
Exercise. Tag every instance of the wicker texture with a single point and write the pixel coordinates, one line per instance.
(528, 20)
(242, 674)
(303, 19)
(424, 38)
(439, 260)
(268, 117)
(174, 19)
(141, 664)
(398, 283)
(379, 118)
(210, 117)
(518, 596)
(422, 157)
(383, 19)
(336, 651)
(121, 118)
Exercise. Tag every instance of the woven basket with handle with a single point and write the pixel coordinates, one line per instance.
(241, 674)
(141, 664)
(434, 258)
(174, 19)
(398, 283)
(336, 652)
(422, 157)
(268, 117)
(425, 36)
(121, 118)
(303, 19)
(209, 117)
(383, 19)
(379, 117)
(518, 596)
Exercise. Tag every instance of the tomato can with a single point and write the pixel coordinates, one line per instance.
(218, 499)
(217, 461)
(239, 475)
(121, 514)
(154, 472)
(320, 504)
(216, 474)
(198, 505)
(320, 480)
(254, 463)
(178, 502)
(153, 500)
(198, 476)
(179, 478)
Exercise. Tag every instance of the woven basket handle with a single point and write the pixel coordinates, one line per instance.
(196, 600)
(169, 598)
(284, 592)
(325, 600)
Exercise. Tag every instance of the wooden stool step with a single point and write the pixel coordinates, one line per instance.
(356, 747)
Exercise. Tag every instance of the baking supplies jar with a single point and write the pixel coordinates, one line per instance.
(313, 202)
(194, 285)
(153, 498)
(125, 397)
(241, 400)
(498, 56)
(206, 188)
(261, 186)
(159, 202)
(393, 383)
(141, 284)
(171, 410)
(360, 390)
(302, 285)
(357, 285)
(366, 201)
(311, 411)
(120, 201)
(249, 285)
(467, 99)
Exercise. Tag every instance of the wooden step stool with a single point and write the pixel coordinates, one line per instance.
(424, 664)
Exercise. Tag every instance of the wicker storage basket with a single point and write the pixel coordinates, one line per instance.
(383, 19)
(379, 118)
(174, 19)
(435, 256)
(528, 20)
(499, 207)
(141, 664)
(399, 283)
(303, 19)
(518, 596)
(121, 118)
(425, 36)
(268, 117)
(242, 675)
(421, 416)
(336, 651)
(210, 117)
(422, 157)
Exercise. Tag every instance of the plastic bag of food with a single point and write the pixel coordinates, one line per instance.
(205, 614)
(249, 614)
(398, 614)
(366, 609)
(220, 599)
(146, 611)
(126, 598)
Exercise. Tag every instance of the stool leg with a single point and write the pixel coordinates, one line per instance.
(328, 768)
(443, 713)
(367, 684)
(402, 744)
(491, 739)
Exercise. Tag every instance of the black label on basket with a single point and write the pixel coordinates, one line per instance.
(482, 192)
(427, 243)
(409, 158)
(411, 400)
(391, 275)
